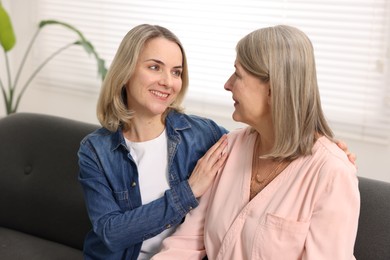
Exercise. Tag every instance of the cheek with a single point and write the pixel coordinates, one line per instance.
(146, 79)
(138, 83)
(256, 104)
(177, 86)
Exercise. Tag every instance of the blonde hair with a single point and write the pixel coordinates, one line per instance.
(112, 111)
(284, 56)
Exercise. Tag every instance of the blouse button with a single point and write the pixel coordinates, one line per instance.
(133, 184)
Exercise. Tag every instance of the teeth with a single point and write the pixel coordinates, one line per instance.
(159, 94)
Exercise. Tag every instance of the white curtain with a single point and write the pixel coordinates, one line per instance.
(351, 39)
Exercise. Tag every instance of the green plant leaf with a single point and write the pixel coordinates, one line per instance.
(12, 97)
(88, 47)
(70, 27)
(7, 36)
(102, 68)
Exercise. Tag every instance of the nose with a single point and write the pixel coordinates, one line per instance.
(166, 79)
(228, 84)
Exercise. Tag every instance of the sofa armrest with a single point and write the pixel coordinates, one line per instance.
(373, 237)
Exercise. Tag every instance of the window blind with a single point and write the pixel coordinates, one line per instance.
(351, 41)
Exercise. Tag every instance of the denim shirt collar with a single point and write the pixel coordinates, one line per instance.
(174, 122)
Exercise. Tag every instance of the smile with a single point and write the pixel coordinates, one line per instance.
(159, 94)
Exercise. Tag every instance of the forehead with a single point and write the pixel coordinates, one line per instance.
(162, 49)
(238, 65)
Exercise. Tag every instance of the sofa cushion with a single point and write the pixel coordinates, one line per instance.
(17, 245)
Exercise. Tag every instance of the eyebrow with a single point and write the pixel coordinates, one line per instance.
(162, 63)
(237, 69)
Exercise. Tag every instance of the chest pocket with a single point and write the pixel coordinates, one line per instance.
(122, 199)
(279, 238)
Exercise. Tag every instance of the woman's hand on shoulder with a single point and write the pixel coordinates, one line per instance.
(207, 167)
(343, 146)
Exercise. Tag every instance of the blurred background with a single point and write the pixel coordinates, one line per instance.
(351, 39)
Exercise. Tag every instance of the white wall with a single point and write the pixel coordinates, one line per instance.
(373, 159)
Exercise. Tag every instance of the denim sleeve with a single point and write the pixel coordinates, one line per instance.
(119, 229)
(217, 129)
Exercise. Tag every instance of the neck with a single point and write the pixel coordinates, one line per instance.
(142, 129)
(264, 143)
(266, 134)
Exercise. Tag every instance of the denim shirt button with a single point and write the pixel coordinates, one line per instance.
(133, 184)
(190, 208)
(168, 226)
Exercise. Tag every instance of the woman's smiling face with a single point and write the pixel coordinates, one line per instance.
(156, 81)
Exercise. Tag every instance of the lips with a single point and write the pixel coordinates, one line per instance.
(159, 94)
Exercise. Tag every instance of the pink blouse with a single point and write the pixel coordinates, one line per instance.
(309, 211)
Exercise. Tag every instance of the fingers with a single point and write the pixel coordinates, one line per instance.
(219, 163)
(351, 156)
(217, 149)
(343, 146)
(207, 167)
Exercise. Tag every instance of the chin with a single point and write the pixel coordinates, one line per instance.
(236, 117)
(159, 110)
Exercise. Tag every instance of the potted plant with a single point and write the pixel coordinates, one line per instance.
(12, 92)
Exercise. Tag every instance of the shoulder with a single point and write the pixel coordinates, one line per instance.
(181, 121)
(332, 153)
(334, 162)
(102, 140)
(241, 136)
(240, 133)
(240, 142)
(100, 134)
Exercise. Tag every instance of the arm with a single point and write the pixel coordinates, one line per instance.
(187, 241)
(116, 220)
(334, 222)
(207, 167)
(119, 228)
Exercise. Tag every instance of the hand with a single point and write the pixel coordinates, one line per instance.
(343, 146)
(207, 167)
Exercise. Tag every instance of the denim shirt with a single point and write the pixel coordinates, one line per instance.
(109, 178)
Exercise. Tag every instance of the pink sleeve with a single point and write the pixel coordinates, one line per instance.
(334, 221)
(187, 241)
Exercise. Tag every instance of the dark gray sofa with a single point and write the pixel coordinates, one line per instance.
(42, 211)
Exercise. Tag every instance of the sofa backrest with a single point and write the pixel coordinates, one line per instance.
(373, 238)
(40, 193)
(39, 190)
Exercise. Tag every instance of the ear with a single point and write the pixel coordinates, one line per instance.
(124, 95)
(269, 94)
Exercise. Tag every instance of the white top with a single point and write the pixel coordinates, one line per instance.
(151, 158)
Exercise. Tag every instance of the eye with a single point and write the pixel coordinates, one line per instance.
(177, 73)
(154, 67)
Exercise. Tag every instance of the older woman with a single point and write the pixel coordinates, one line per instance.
(286, 191)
